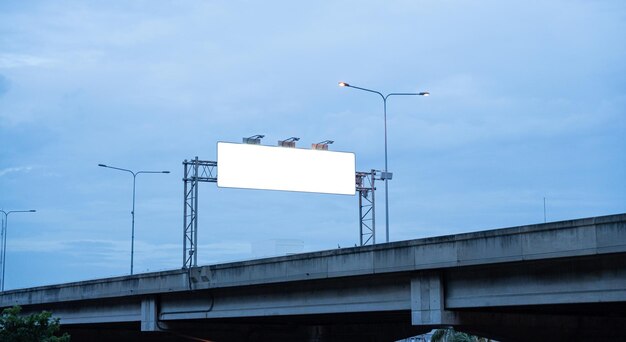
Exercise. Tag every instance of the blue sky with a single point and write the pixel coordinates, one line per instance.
(528, 101)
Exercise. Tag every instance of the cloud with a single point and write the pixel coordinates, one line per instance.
(73, 246)
(4, 85)
(115, 252)
(8, 170)
(11, 60)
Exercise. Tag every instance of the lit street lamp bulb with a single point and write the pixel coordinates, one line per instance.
(343, 84)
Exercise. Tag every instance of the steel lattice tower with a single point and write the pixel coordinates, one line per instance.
(367, 206)
(195, 171)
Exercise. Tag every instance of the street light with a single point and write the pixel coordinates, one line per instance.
(5, 224)
(132, 235)
(386, 175)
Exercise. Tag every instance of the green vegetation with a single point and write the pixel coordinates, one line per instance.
(37, 327)
(450, 335)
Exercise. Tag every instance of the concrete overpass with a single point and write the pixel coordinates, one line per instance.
(556, 281)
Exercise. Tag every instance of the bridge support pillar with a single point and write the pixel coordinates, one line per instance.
(149, 314)
(427, 301)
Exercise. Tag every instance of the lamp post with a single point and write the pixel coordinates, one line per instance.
(132, 235)
(385, 175)
(5, 224)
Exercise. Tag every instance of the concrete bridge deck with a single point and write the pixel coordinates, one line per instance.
(558, 279)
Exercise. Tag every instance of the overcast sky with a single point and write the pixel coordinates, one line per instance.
(528, 101)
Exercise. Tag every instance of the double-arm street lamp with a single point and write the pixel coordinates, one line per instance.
(386, 175)
(132, 235)
(5, 224)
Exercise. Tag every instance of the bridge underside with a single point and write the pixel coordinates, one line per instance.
(346, 327)
(589, 322)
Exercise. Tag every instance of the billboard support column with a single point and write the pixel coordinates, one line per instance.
(194, 171)
(365, 185)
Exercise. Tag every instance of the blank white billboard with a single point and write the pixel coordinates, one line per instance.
(282, 168)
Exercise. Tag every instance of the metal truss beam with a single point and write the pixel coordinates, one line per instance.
(195, 171)
(365, 186)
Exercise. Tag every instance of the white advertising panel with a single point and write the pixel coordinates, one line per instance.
(282, 168)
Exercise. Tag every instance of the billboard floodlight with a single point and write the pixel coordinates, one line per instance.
(322, 145)
(254, 140)
(291, 142)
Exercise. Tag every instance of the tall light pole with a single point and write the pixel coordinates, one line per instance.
(132, 235)
(386, 175)
(5, 224)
